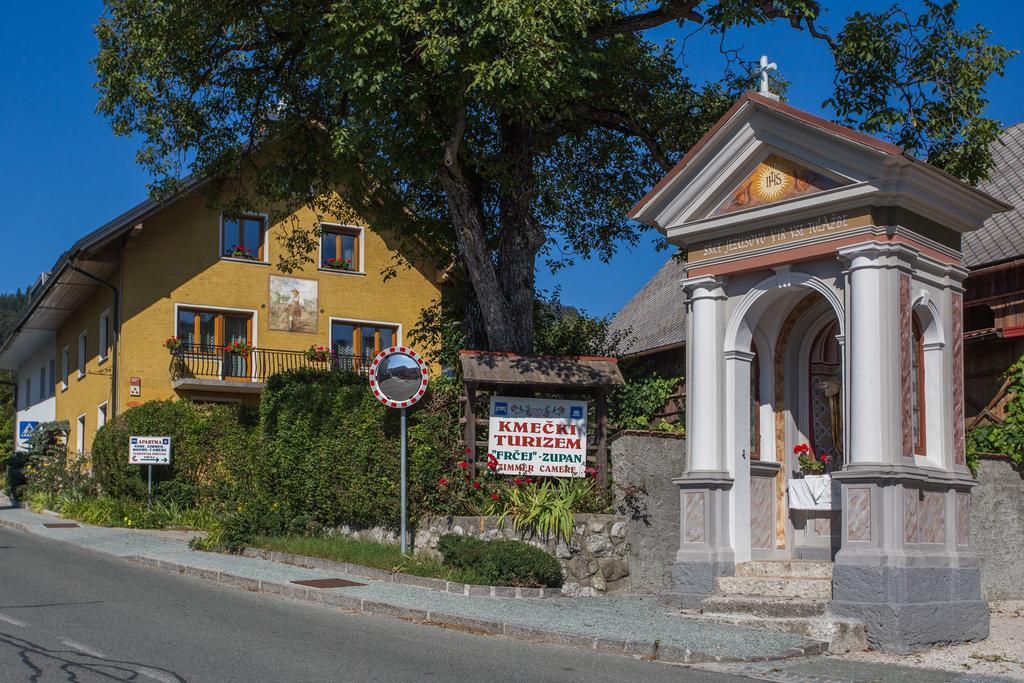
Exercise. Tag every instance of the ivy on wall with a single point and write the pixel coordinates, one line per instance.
(1006, 438)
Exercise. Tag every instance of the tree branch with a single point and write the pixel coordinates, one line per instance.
(673, 10)
(624, 123)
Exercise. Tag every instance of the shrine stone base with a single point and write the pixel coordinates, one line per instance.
(906, 570)
(704, 551)
(909, 608)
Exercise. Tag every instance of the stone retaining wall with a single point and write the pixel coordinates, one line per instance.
(997, 528)
(596, 561)
(643, 467)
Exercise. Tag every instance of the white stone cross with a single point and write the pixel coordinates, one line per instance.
(762, 71)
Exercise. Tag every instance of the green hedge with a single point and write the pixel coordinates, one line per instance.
(331, 451)
(501, 563)
(212, 447)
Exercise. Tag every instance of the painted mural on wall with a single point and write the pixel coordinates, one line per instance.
(774, 180)
(293, 304)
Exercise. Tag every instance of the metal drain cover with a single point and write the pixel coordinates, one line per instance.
(60, 525)
(328, 583)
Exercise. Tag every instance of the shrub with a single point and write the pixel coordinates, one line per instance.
(209, 444)
(546, 509)
(501, 563)
(331, 451)
(635, 405)
(45, 465)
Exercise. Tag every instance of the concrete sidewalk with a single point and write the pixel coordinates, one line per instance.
(629, 625)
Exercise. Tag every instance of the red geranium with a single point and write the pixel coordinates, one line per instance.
(442, 481)
(476, 485)
(463, 464)
(518, 481)
(494, 496)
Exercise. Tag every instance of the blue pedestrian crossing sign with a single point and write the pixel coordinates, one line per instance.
(26, 428)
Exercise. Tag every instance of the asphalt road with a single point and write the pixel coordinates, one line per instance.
(71, 614)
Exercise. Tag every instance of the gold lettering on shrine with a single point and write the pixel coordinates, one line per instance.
(820, 226)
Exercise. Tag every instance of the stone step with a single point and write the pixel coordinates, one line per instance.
(763, 607)
(842, 635)
(809, 569)
(774, 587)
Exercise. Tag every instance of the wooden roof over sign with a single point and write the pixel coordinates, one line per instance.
(483, 368)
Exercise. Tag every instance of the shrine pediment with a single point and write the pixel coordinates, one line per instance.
(765, 164)
(776, 179)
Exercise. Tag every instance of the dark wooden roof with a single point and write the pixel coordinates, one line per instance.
(484, 368)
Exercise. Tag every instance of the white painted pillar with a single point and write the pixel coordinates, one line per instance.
(737, 447)
(704, 385)
(873, 353)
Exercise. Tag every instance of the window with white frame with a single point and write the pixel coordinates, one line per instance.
(82, 340)
(104, 335)
(65, 367)
(80, 436)
(243, 237)
(341, 248)
(101, 415)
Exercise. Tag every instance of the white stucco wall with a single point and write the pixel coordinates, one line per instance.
(41, 403)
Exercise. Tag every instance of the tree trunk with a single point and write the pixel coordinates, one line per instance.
(520, 237)
(503, 286)
(468, 221)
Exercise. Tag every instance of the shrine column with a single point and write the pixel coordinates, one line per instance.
(905, 568)
(705, 550)
(873, 352)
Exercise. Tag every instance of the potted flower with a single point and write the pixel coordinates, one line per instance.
(338, 263)
(810, 464)
(238, 251)
(238, 347)
(318, 354)
(814, 490)
(172, 344)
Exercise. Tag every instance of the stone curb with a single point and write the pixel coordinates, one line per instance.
(642, 649)
(399, 577)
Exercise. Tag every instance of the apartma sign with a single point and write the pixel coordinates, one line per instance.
(538, 437)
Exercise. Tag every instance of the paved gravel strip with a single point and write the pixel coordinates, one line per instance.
(640, 648)
(399, 577)
(629, 625)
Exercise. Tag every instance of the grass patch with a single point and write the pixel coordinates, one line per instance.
(368, 554)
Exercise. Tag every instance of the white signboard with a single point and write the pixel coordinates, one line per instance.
(149, 450)
(538, 436)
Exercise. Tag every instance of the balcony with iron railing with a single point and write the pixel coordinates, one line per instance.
(215, 368)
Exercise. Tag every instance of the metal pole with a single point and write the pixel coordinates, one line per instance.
(149, 496)
(404, 501)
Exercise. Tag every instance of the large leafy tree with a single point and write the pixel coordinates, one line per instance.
(488, 133)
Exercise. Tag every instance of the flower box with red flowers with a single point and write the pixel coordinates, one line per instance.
(239, 348)
(319, 354)
(238, 251)
(336, 263)
(809, 462)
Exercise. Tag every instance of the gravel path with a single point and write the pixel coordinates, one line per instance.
(1001, 655)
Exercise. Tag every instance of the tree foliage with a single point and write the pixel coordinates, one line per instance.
(485, 134)
(920, 82)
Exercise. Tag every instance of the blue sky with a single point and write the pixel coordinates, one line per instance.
(63, 172)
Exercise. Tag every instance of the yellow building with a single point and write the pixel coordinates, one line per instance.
(181, 274)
